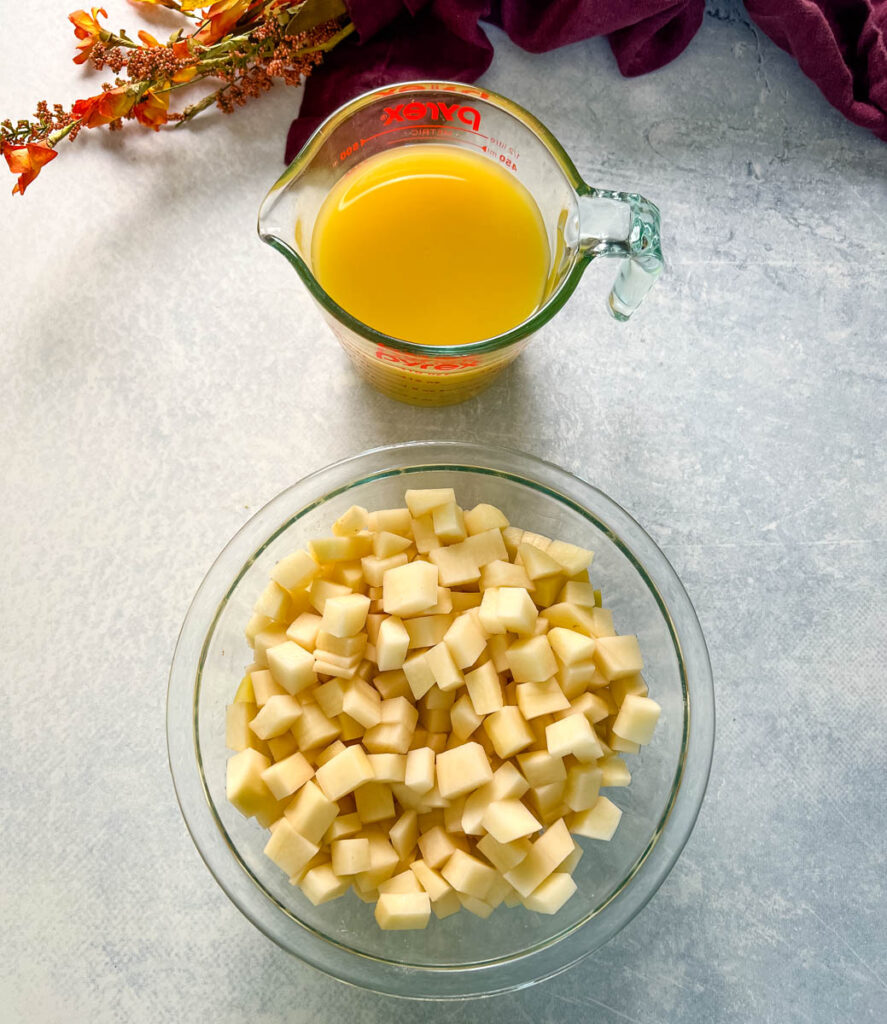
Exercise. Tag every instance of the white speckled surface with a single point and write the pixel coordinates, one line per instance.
(164, 375)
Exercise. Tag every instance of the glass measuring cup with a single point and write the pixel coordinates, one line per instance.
(581, 222)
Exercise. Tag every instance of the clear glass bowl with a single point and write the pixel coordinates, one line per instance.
(462, 955)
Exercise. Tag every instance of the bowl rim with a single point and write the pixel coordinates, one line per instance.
(556, 952)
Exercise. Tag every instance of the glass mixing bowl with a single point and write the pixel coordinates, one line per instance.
(462, 955)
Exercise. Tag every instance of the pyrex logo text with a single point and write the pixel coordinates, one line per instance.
(434, 111)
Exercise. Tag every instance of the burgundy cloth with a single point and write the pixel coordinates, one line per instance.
(840, 44)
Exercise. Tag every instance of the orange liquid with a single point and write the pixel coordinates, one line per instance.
(432, 244)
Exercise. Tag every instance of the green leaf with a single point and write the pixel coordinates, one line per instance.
(313, 13)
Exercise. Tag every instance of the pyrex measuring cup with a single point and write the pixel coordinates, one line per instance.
(582, 223)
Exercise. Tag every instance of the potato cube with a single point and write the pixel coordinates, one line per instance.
(321, 884)
(341, 549)
(322, 590)
(449, 523)
(430, 880)
(583, 785)
(548, 800)
(447, 905)
(410, 588)
(573, 735)
(289, 849)
(540, 768)
(456, 567)
(601, 622)
(392, 644)
(516, 610)
(264, 686)
(484, 517)
(375, 802)
(444, 670)
(277, 716)
(374, 570)
(406, 881)
(328, 753)
(245, 787)
(614, 772)
(531, 660)
(581, 594)
(465, 639)
(394, 520)
(386, 544)
(421, 502)
(504, 856)
(238, 735)
(575, 679)
(552, 894)
(468, 875)
(362, 703)
(621, 688)
(463, 718)
(388, 767)
(480, 908)
(535, 699)
(295, 571)
(303, 630)
(343, 826)
(424, 537)
(536, 562)
(496, 647)
(484, 689)
(570, 616)
(474, 808)
(345, 616)
(508, 731)
(573, 558)
(486, 547)
(618, 656)
(598, 822)
(285, 777)
(404, 833)
(462, 769)
(313, 728)
(310, 812)
(391, 684)
(427, 630)
(419, 771)
(463, 600)
(619, 744)
(274, 602)
(637, 719)
(507, 820)
(500, 573)
(570, 647)
(345, 772)
(488, 613)
(388, 738)
(256, 624)
(292, 666)
(419, 675)
(545, 856)
(437, 847)
(402, 911)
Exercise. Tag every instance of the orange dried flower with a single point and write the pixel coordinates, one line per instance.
(220, 19)
(106, 107)
(88, 30)
(153, 110)
(26, 161)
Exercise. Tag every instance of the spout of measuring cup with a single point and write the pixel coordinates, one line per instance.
(624, 225)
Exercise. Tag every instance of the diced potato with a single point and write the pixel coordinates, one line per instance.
(536, 562)
(456, 567)
(449, 523)
(552, 894)
(480, 908)
(303, 630)
(245, 787)
(264, 686)
(462, 601)
(601, 620)
(465, 640)
(573, 735)
(403, 911)
(409, 588)
(637, 719)
(419, 674)
(375, 802)
(238, 735)
(341, 549)
(614, 772)
(345, 772)
(424, 537)
(353, 520)
(310, 812)
(486, 547)
(289, 849)
(535, 699)
(391, 684)
(313, 728)
(598, 822)
(427, 630)
(292, 666)
(468, 875)
(392, 644)
(322, 590)
(443, 668)
(343, 826)
(295, 571)
(573, 558)
(504, 856)
(406, 881)
(394, 520)
(583, 785)
(488, 613)
(268, 638)
(462, 769)
(419, 772)
(321, 884)
(571, 647)
(500, 573)
(507, 820)
(531, 660)
(618, 656)
(345, 616)
(430, 880)
(463, 718)
(447, 905)
(546, 854)
(437, 847)
(581, 594)
(508, 731)
(484, 517)
(404, 833)
(516, 610)
(512, 536)
(274, 602)
(374, 569)
(286, 776)
(256, 624)
(545, 591)
(421, 502)
(541, 768)
(363, 703)
(484, 689)
(277, 716)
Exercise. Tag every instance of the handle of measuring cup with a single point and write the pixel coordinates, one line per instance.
(624, 225)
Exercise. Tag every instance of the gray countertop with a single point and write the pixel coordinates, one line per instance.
(164, 375)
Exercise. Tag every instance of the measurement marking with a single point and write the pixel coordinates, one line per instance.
(409, 127)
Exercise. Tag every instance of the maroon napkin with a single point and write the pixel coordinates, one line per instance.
(840, 44)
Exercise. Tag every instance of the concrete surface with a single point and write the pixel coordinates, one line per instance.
(164, 375)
